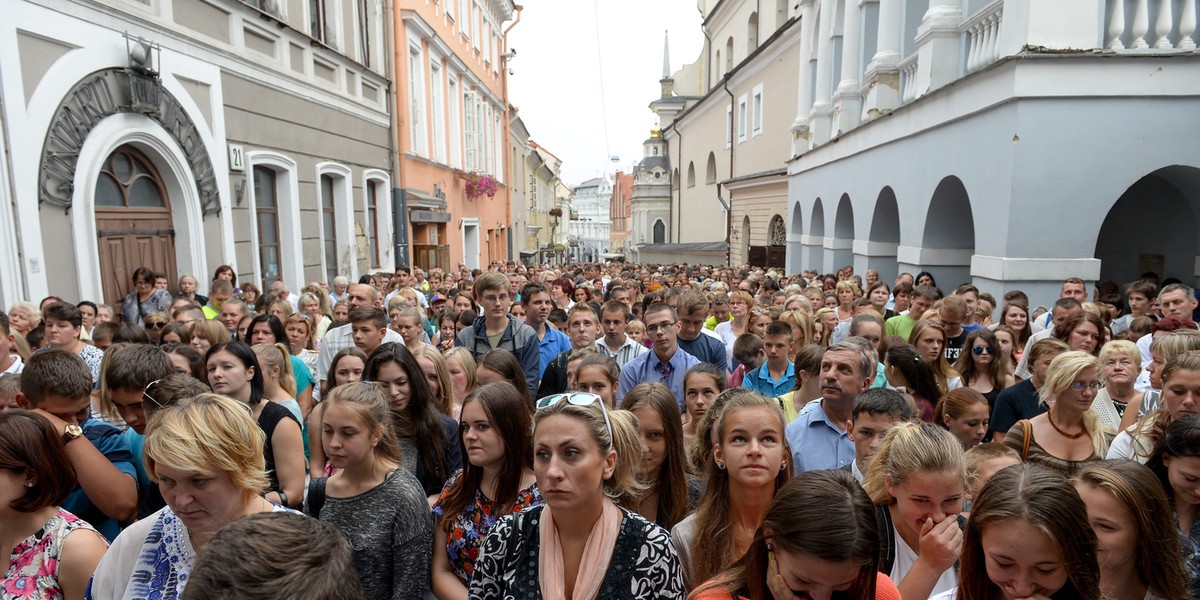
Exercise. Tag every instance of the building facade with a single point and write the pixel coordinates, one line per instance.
(589, 224)
(620, 211)
(452, 129)
(543, 216)
(185, 134)
(1009, 143)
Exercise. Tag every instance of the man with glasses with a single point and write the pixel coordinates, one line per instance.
(666, 363)
(130, 376)
(143, 300)
(693, 337)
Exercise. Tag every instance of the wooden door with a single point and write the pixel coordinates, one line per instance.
(133, 223)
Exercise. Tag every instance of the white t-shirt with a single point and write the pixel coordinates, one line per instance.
(906, 558)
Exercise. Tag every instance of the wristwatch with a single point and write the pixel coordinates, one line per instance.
(72, 432)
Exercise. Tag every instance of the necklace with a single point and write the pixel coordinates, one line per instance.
(1069, 436)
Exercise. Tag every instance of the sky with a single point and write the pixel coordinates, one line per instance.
(568, 108)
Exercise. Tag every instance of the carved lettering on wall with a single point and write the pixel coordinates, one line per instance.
(101, 95)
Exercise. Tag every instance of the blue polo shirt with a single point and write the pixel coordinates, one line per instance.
(648, 368)
(109, 441)
(549, 346)
(706, 348)
(760, 381)
(817, 444)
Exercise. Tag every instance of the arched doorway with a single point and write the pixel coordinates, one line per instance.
(748, 254)
(1152, 228)
(795, 249)
(949, 239)
(133, 221)
(816, 239)
(884, 237)
(842, 244)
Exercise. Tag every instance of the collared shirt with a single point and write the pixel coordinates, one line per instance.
(628, 351)
(16, 367)
(760, 380)
(108, 441)
(648, 368)
(551, 345)
(817, 443)
(340, 338)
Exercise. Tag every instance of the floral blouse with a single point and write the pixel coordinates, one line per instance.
(470, 527)
(33, 568)
(643, 565)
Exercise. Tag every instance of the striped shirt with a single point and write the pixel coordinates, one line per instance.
(627, 352)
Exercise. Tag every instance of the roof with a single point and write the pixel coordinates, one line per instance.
(688, 247)
(650, 162)
(596, 181)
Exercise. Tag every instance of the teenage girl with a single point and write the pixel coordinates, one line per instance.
(701, 384)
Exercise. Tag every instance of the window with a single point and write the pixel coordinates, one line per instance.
(435, 112)
(464, 17)
(364, 32)
(469, 130)
(477, 27)
(416, 98)
(729, 54)
(129, 179)
(449, 7)
(318, 21)
(756, 108)
(373, 221)
(691, 175)
(742, 121)
(710, 175)
(752, 33)
(455, 128)
(660, 232)
(329, 227)
(266, 217)
(488, 148)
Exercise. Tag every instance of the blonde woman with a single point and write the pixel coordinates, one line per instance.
(437, 375)
(23, 317)
(1069, 434)
(461, 367)
(206, 334)
(309, 304)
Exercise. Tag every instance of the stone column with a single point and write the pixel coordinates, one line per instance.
(800, 129)
(848, 104)
(822, 109)
(938, 45)
(883, 73)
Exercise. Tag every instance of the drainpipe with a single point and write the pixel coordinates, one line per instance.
(399, 202)
(677, 196)
(728, 205)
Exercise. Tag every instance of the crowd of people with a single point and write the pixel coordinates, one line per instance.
(602, 432)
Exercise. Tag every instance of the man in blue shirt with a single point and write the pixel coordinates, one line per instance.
(819, 438)
(666, 363)
(776, 376)
(705, 345)
(551, 341)
(57, 385)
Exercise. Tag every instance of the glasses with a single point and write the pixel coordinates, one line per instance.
(156, 325)
(578, 399)
(1095, 386)
(655, 328)
(981, 350)
(146, 393)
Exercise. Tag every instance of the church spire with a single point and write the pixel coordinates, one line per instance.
(666, 57)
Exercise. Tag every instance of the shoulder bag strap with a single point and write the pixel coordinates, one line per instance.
(1027, 427)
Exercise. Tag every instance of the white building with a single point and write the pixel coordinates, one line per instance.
(1011, 143)
(181, 135)
(588, 231)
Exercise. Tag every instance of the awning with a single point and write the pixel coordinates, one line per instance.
(529, 253)
(423, 199)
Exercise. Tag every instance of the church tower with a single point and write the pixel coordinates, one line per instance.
(651, 200)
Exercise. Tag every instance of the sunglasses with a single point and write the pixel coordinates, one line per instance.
(146, 394)
(578, 399)
(156, 325)
(981, 350)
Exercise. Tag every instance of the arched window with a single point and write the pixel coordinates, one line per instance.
(660, 232)
(729, 54)
(129, 180)
(691, 181)
(777, 231)
(266, 209)
(710, 175)
(752, 33)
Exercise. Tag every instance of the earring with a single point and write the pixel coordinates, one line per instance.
(28, 484)
(721, 465)
(783, 466)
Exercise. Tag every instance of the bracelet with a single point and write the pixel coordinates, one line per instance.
(283, 498)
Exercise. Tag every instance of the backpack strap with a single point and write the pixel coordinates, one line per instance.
(1027, 427)
(316, 496)
(887, 541)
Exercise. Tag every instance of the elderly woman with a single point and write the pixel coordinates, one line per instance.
(206, 453)
(144, 299)
(23, 317)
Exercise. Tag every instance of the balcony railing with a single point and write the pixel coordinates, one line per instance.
(908, 78)
(1157, 24)
(983, 31)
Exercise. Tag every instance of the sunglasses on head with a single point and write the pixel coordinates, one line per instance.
(578, 399)
(146, 393)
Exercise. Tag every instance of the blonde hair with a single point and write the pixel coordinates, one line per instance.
(368, 401)
(799, 320)
(1125, 347)
(464, 358)
(1062, 373)
(982, 453)
(848, 284)
(1177, 342)
(308, 324)
(30, 310)
(445, 395)
(209, 434)
(625, 440)
(277, 356)
(910, 448)
(211, 330)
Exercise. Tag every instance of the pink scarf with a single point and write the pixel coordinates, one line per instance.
(593, 566)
